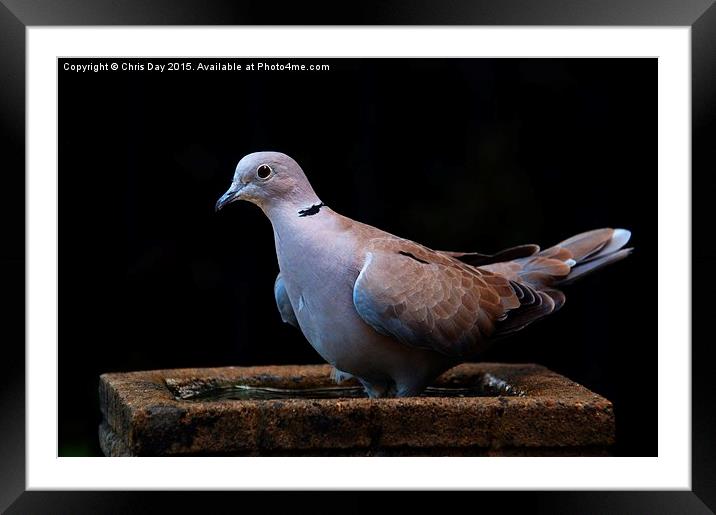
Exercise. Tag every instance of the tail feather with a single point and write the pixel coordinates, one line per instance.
(591, 251)
(617, 241)
(536, 277)
(583, 245)
(589, 266)
(568, 260)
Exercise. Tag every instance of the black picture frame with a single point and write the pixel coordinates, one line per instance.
(17, 15)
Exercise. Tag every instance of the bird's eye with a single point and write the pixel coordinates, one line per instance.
(263, 171)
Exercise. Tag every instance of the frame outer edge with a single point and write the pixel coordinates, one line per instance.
(327, 12)
(703, 106)
(12, 107)
(547, 503)
(12, 256)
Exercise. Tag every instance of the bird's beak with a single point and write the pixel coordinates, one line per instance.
(227, 198)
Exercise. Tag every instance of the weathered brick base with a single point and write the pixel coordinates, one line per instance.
(143, 415)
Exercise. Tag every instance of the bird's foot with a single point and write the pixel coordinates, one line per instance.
(376, 390)
(339, 376)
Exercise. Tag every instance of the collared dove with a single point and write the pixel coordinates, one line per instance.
(389, 311)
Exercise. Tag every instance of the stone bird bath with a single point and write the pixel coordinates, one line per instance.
(486, 409)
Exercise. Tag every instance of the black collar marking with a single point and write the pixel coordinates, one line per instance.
(315, 208)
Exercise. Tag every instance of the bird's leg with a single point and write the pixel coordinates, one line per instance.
(412, 385)
(409, 390)
(339, 376)
(375, 390)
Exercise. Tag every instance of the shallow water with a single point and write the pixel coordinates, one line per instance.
(488, 386)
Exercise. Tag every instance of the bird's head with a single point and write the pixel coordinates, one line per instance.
(268, 179)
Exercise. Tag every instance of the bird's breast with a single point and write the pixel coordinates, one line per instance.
(319, 273)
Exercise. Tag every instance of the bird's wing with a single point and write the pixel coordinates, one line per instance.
(478, 259)
(283, 303)
(427, 299)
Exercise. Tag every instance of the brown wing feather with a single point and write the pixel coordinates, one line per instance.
(478, 259)
(428, 299)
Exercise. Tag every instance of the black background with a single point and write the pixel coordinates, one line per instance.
(474, 154)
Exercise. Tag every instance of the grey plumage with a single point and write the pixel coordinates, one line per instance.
(283, 302)
(389, 311)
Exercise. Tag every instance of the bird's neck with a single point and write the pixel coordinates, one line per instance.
(300, 222)
(316, 243)
(305, 204)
